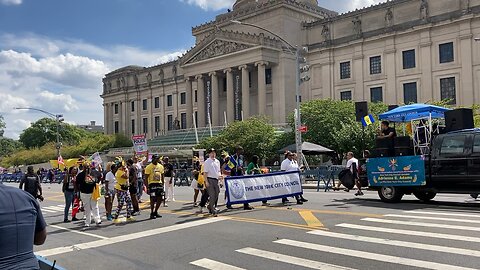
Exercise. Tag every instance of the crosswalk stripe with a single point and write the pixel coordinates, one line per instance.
(54, 208)
(410, 232)
(372, 256)
(214, 265)
(435, 218)
(48, 211)
(291, 260)
(382, 241)
(421, 224)
(443, 214)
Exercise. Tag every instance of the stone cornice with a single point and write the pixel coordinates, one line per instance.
(249, 9)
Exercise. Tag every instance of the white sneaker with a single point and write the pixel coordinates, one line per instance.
(471, 200)
(167, 200)
(173, 200)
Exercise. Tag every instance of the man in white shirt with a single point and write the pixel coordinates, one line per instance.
(353, 165)
(212, 174)
(110, 182)
(291, 165)
(139, 165)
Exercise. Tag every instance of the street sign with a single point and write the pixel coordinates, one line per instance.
(303, 129)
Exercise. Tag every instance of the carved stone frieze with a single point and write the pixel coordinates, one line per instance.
(218, 48)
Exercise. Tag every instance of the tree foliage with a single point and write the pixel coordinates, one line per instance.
(2, 125)
(44, 131)
(9, 146)
(255, 135)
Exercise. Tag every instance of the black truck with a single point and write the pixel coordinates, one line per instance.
(453, 166)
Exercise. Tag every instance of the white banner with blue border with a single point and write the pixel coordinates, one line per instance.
(253, 188)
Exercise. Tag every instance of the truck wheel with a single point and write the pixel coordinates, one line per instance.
(424, 196)
(390, 194)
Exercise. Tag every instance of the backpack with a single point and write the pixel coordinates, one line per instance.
(346, 178)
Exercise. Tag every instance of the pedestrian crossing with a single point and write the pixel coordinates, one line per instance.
(416, 239)
(54, 209)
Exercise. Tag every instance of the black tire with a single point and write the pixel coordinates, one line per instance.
(390, 194)
(424, 196)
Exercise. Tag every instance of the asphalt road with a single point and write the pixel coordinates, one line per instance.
(334, 230)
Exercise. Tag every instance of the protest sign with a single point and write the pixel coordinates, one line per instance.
(139, 144)
(252, 188)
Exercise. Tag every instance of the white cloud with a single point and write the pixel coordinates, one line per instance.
(211, 4)
(11, 2)
(354, 4)
(60, 76)
(22, 124)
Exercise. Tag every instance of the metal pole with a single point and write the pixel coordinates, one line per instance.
(210, 124)
(58, 135)
(298, 121)
(195, 127)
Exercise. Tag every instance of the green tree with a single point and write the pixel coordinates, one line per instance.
(9, 146)
(45, 130)
(255, 135)
(2, 125)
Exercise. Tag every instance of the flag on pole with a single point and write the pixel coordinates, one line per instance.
(368, 120)
(60, 160)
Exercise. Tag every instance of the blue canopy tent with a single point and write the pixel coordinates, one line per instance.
(411, 112)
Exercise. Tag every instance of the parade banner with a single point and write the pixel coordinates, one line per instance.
(140, 144)
(252, 188)
(396, 171)
(237, 89)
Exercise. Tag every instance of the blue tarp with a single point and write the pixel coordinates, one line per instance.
(413, 111)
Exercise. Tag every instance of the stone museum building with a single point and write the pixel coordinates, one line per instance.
(397, 52)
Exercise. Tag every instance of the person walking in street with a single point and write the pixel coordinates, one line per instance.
(353, 165)
(21, 226)
(110, 182)
(197, 183)
(212, 173)
(139, 165)
(238, 171)
(68, 189)
(123, 194)
(133, 187)
(86, 184)
(31, 183)
(154, 180)
(169, 180)
(289, 165)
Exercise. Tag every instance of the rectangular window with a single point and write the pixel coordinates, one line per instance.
(408, 59)
(133, 126)
(250, 79)
(410, 93)
(170, 122)
(375, 65)
(157, 123)
(448, 90)
(268, 76)
(183, 98)
(183, 121)
(132, 106)
(346, 95)
(115, 108)
(116, 129)
(195, 95)
(224, 82)
(157, 102)
(144, 104)
(476, 144)
(145, 125)
(169, 100)
(453, 145)
(345, 70)
(446, 52)
(376, 94)
(196, 118)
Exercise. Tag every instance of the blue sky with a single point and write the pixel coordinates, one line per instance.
(53, 53)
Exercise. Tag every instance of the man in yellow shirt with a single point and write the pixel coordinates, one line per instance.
(154, 177)
(123, 195)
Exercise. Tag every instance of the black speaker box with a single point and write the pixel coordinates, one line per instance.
(391, 107)
(403, 151)
(361, 110)
(403, 141)
(382, 143)
(380, 152)
(459, 119)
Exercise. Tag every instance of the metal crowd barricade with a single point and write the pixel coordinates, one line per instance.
(323, 174)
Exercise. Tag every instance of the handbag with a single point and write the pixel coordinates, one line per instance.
(96, 193)
(346, 178)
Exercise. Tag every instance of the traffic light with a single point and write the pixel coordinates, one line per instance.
(59, 118)
(303, 66)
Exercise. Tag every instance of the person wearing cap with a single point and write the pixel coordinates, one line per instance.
(211, 171)
(169, 180)
(154, 181)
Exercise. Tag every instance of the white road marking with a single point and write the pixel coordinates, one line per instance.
(372, 256)
(444, 214)
(421, 224)
(78, 232)
(214, 265)
(435, 218)
(48, 211)
(410, 232)
(127, 237)
(54, 208)
(291, 260)
(460, 251)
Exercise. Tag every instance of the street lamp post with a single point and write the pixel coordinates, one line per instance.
(297, 51)
(58, 118)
